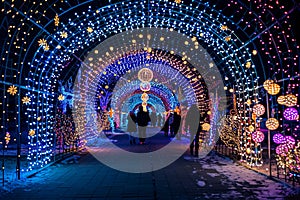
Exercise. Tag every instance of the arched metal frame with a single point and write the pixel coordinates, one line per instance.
(253, 26)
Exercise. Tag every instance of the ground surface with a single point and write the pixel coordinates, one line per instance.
(84, 177)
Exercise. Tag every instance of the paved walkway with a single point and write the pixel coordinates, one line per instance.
(84, 177)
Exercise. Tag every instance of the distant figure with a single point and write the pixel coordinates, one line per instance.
(142, 120)
(159, 119)
(192, 121)
(183, 114)
(174, 127)
(131, 126)
(153, 119)
(168, 121)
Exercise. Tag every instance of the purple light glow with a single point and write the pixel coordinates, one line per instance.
(278, 138)
(258, 136)
(290, 141)
(291, 114)
(282, 149)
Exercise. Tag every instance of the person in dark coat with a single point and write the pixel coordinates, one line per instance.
(131, 126)
(168, 121)
(142, 119)
(176, 124)
(193, 122)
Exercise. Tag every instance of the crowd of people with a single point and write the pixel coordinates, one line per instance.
(175, 123)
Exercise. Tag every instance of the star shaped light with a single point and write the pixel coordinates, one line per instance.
(26, 100)
(31, 132)
(224, 27)
(42, 42)
(56, 20)
(12, 90)
(64, 34)
(61, 97)
(89, 29)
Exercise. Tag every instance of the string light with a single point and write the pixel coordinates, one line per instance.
(71, 37)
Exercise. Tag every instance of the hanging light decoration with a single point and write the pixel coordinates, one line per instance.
(205, 127)
(145, 97)
(145, 75)
(144, 104)
(258, 136)
(281, 100)
(267, 84)
(290, 141)
(272, 124)
(290, 100)
(291, 114)
(282, 149)
(145, 86)
(259, 109)
(273, 89)
(278, 138)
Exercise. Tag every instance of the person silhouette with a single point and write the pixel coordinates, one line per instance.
(131, 126)
(193, 123)
(142, 120)
(176, 124)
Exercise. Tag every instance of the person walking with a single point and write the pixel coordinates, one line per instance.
(168, 121)
(131, 127)
(142, 120)
(176, 124)
(193, 123)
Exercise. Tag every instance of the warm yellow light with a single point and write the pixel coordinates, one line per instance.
(273, 89)
(272, 124)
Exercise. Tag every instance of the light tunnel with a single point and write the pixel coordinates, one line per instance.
(86, 49)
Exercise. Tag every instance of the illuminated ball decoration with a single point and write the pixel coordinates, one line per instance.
(281, 100)
(290, 141)
(282, 149)
(290, 100)
(145, 75)
(258, 136)
(273, 89)
(259, 109)
(145, 86)
(272, 124)
(144, 104)
(267, 84)
(145, 97)
(278, 138)
(291, 114)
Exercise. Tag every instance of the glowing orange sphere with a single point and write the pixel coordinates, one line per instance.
(281, 100)
(290, 100)
(273, 89)
(267, 83)
(272, 124)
